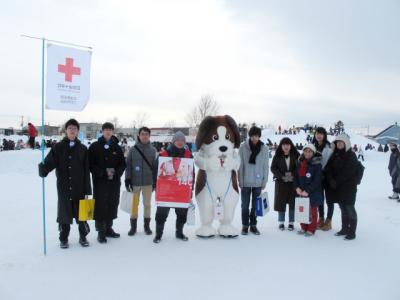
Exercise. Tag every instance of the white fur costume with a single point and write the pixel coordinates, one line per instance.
(220, 179)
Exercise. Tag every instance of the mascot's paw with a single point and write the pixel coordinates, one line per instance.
(206, 231)
(228, 231)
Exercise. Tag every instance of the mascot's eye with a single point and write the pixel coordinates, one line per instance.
(228, 137)
(215, 137)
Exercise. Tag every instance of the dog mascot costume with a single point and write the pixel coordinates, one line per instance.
(216, 191)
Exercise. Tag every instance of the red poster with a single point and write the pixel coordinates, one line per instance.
(174, 182)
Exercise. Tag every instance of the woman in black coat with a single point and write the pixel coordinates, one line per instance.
(284, 166)
(107, 164)
(70, 160)
(341, 174)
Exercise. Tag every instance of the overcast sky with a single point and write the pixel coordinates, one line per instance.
(280, 62)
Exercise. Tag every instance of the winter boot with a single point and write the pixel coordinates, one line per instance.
(64, 244)
(110, 231)
(101, 237)
(133, 229)
(245, 230)
(395, 196)
(291, 227)
(147, 229)
(345, 227)
(254, 230)
(282, 227)
(83, 241)
(327, 226)
(179, 232)
(351, 234)
(321, 222)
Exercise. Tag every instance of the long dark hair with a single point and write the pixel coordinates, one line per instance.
(293, 150)
(325, 142)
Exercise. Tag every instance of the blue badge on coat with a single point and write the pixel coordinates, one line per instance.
(106, 146)
(308, 175)
(137, 168)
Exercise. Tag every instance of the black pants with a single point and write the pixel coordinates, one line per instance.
(394, 181)
(64, 229)
(162, 215)
(31, 142)
(321, 210)
(349, 218)
(249, 195)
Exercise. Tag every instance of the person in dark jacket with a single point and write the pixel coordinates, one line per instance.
(324, 152)
(70, 160)
(175, 149)
(394, 170)
(107, 164)
(308, 183)
(283, 167)
(141, 176)
(341, 174)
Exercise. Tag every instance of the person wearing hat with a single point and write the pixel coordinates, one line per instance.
(70, 159)
(141, 176)
(253, 177)
(284, 166)
(342, 179)
(394, 170)
(107, 164)
(308, 184)
(323, 152)
(177, 148)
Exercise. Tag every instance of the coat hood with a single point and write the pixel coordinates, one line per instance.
(345, 139)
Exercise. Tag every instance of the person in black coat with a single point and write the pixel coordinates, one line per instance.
(70, 160)
(107, 164)
(394, 170)
(284, 166)
(341, 174)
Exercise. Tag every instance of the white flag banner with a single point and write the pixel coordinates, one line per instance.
(67, 78)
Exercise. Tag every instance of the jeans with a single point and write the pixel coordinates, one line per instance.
(331, 208)
(249, 216)
(281, 216)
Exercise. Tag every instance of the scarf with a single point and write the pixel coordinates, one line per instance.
(255, 149)
(303, 168)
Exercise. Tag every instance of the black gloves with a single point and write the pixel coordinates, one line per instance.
(42, 170)
(128, 185)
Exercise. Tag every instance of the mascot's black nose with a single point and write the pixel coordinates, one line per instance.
(223, 148)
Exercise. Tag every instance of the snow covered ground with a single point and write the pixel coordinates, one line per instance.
(275, 265)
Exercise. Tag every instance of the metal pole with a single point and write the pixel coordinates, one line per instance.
(43, 145)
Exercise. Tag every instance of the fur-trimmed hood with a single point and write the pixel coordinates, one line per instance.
(344, 138)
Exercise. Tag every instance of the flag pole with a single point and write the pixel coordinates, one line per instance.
(43, 145)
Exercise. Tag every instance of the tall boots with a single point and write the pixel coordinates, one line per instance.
(133, 229)
(147, 228)
(345, 226)
(349, 226)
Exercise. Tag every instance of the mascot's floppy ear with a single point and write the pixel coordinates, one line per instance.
(206, 126)
(233, 126)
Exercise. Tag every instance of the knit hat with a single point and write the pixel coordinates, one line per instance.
(311, 147)
(178, 136)
(72, 122)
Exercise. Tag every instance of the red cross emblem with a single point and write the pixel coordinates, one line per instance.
(301, 209)
(68, 69)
